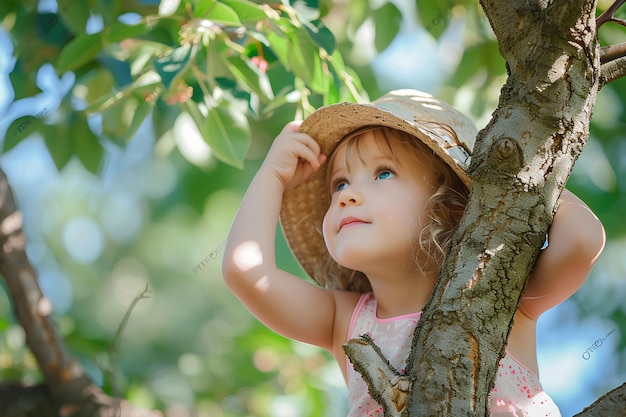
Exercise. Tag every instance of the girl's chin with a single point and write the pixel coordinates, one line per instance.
(370, 261)
(356, 260)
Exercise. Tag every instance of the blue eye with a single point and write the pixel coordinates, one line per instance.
(385, 174)
(339, 184)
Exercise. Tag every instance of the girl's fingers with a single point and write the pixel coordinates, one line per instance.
(290, 131)
(308, 141)
(305, 153)
(295, 155)
(294, 126)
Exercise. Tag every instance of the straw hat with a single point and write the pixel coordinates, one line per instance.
(438, 125)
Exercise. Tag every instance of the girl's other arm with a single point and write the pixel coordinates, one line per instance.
(576, 239)
(285, 303)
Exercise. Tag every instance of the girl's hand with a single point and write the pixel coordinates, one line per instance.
(293, 156)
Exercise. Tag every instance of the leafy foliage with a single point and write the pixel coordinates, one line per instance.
(203, 58)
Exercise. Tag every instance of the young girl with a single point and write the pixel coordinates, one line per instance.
(368, 198)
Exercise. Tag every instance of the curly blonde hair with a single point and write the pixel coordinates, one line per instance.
(444, 208)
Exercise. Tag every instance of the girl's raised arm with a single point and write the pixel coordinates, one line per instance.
(576, 239)
(285, 303)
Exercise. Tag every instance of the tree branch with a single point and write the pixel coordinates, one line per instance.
(609, 14)
(32, 309)
(388, 387)
(17, 400)
(612, 71)
(609, 53)
(610, 404)
(68, 388)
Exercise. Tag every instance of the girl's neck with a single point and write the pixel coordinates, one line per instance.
(400, 296)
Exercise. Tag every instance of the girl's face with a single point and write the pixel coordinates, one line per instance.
(377, 202)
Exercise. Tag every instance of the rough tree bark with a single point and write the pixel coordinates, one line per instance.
(521, 162)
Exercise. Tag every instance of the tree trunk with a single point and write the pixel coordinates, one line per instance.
(521, 162)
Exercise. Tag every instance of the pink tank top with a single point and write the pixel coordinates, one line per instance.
(517, 390)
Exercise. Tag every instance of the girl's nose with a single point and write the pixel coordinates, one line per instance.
(350, 197)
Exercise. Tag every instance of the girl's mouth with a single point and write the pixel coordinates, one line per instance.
(350, 221)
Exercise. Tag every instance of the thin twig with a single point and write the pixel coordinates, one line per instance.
(609, 14)
(117, 341)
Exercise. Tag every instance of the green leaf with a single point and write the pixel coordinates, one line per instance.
(142, 111)
(320, 35)
(108, 100)
(145, 85)
(95, 84)
(225, 129)
(250, 76)
(79, 51)
(359, 11)
(331, 86)
(58, 141)
(355, 91)
(23, 84)
(246, 10)
(307, 10)
(305, 60)
(119, 31)
(124, 111)
(337, 62)
(122, 119)
(434, 16)
(173, 64)
(281, 47)
(138, 53)
(228, 134)
(75, 14)
(475, 59)
(18, 130)
(217, 12)
(164, 30)
(86, 144)
(351, 90)
(387, 20)
(163, 118)
(289, 97)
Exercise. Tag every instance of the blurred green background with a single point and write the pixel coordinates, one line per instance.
(117, 198)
